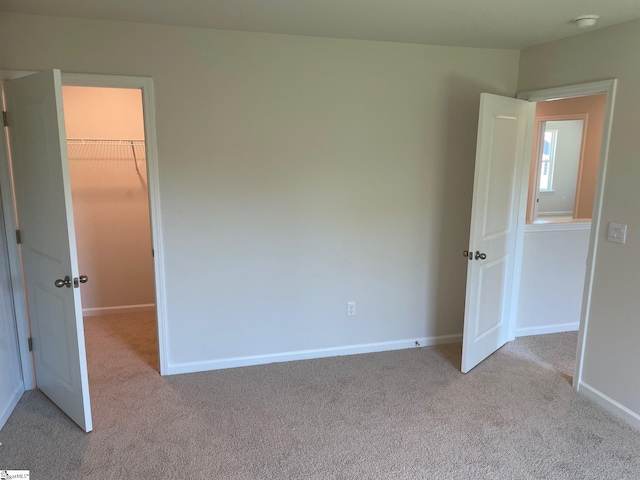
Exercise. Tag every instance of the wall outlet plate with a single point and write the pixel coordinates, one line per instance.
(351, 309)
(617, 233)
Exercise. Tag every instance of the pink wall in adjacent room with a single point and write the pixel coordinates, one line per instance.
(110, 200)
(103, 113)
(594, 107)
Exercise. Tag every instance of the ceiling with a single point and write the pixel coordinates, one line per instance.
(512, 24)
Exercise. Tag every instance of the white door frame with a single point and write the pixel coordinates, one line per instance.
(15, 257)
(607, 87)
(105, 81)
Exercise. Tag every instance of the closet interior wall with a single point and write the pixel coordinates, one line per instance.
(110, 199)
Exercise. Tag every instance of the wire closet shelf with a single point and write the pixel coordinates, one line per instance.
(96, 148)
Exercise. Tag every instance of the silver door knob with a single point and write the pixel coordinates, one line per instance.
(83, 279)
(480, 256)
(63, 283)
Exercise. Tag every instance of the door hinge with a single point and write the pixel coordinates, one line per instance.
(153, 253)
(30, 344)
(18, 237)
(5, 119)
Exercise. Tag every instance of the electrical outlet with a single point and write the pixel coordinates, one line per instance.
(351, 309)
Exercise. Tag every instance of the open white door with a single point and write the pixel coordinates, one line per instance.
(45, 217)
(500, 156)
(11, 384)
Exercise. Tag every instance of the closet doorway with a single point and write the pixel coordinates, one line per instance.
(108, 173)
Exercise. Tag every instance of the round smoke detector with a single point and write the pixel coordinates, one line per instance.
(586, 21)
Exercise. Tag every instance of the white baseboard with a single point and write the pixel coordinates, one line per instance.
(90, 312)
(544, 329)
(191, 367)
(610, 404)
(8, 409)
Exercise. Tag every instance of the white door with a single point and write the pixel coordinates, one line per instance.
(11, 385)
(45, 218)
(500, 160)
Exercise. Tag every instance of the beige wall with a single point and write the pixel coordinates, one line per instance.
(611, 362)
(594, 107)
(552, 281)
(110, 200)
(296, 174)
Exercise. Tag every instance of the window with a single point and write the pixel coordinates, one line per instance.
(548, 160)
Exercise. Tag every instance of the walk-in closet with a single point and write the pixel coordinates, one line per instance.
(108, 172)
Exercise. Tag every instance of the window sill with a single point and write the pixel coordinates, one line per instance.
(558, 226)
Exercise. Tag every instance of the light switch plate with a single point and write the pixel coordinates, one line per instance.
(617, 233)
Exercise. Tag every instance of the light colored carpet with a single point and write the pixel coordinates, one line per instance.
(396, 415)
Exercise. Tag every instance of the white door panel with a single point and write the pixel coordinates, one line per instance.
(499, 166)
(11, 385)
(45, 217)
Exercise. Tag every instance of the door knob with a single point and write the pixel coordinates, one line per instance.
(468, 254)
(63, 283)
(480, 256)
(78, 280)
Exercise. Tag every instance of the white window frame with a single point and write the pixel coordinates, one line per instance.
(551, 161)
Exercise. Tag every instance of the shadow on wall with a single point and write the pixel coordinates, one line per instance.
(461, 128)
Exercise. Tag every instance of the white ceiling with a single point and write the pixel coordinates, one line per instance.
(476, 23)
